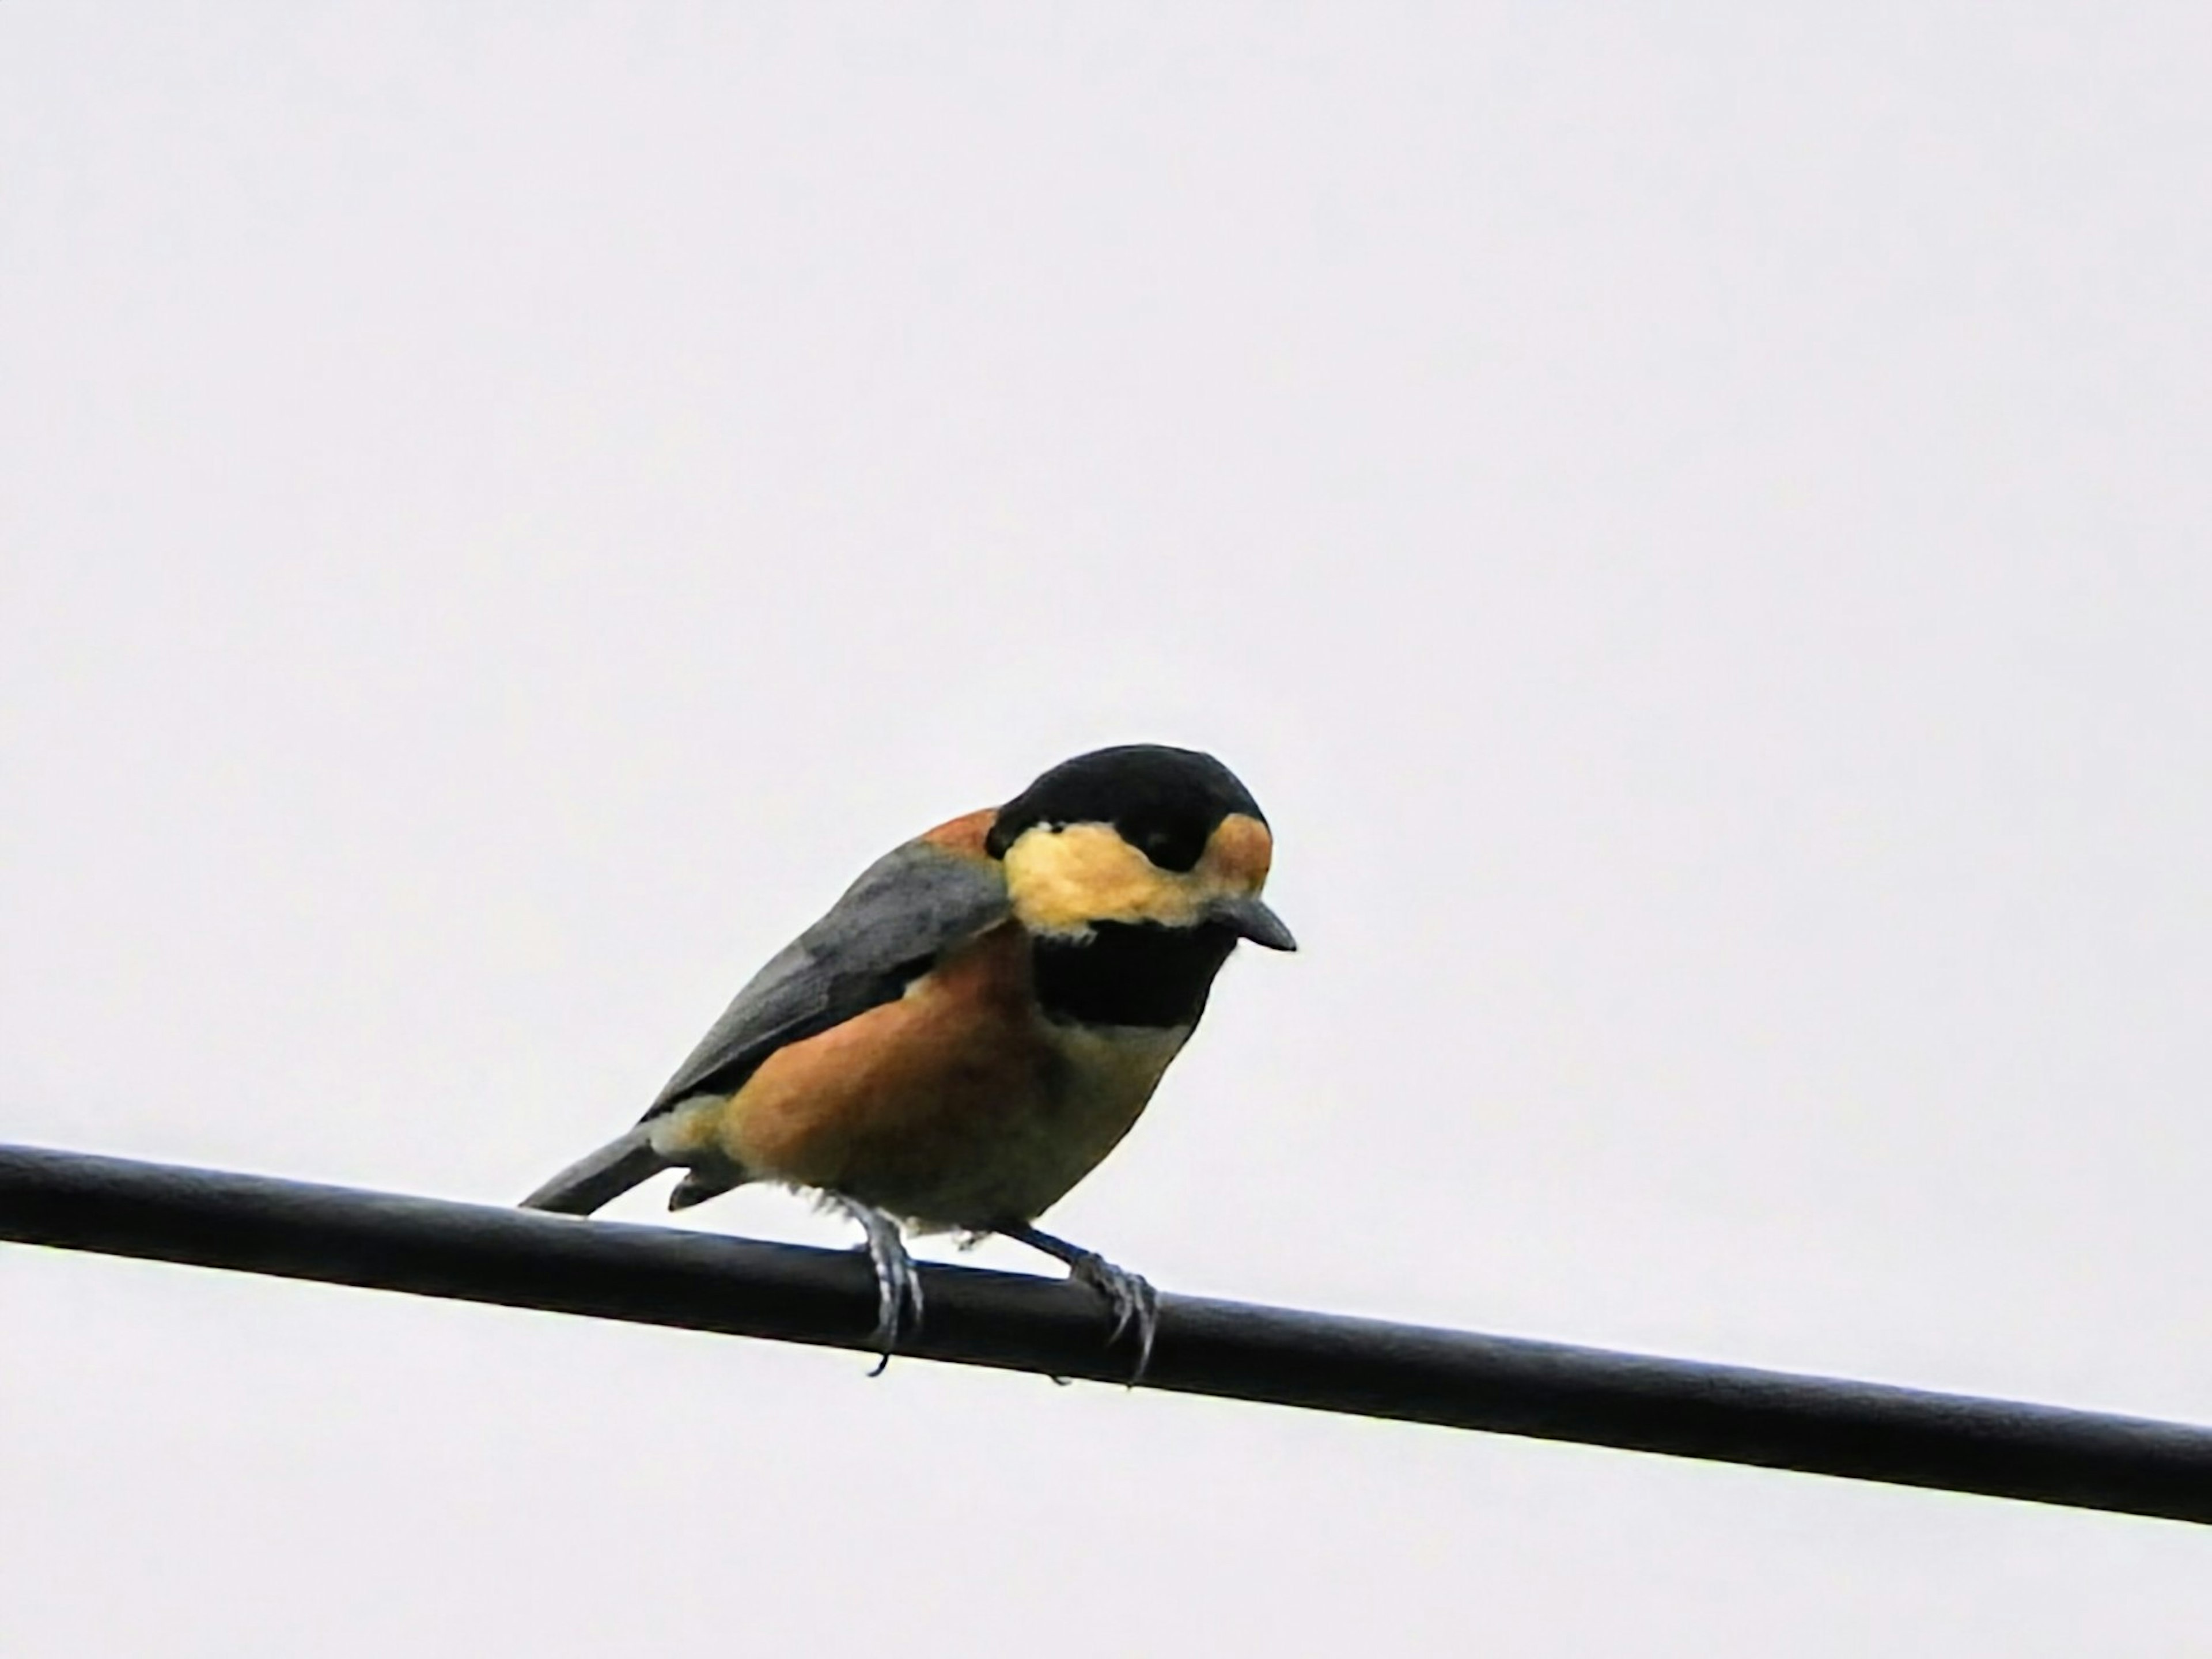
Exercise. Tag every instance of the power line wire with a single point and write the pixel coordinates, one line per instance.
(703, 1281)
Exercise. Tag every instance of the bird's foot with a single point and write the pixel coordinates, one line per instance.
(898, 1286)
(1129, 1297)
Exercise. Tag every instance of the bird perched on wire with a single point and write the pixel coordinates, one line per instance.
(976, 1023)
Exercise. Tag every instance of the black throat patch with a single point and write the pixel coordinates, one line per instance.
(1130, 974)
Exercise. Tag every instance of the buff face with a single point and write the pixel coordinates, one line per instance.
(1065, 880)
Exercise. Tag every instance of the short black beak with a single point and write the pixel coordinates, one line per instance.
(1247, 918)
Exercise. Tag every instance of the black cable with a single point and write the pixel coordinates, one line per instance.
(661, 1276)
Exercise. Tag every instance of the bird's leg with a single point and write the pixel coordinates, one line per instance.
(899, 1286)
(1129, 1297)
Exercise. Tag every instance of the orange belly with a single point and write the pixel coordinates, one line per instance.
(955, 1105)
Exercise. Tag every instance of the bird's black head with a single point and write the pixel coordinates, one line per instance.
(1141, 835)
(1166, 803)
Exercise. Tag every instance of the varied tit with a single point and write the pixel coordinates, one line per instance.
(976, 1023)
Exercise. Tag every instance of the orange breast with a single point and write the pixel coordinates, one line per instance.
(956, 1106)
(903, 1104)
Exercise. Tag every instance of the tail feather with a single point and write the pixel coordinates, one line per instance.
(600, 1176)
(700, 1185)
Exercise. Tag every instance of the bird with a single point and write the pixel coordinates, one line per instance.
(974, 1026)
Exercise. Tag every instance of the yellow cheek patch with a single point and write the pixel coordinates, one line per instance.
(1065, 880)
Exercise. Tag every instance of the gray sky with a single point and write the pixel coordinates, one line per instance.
(1694, 526)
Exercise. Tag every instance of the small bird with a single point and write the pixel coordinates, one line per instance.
(975, 1024)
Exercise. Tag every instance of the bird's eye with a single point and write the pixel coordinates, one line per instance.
(1168, 848)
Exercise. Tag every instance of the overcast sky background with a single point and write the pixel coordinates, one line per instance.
(1694, 526)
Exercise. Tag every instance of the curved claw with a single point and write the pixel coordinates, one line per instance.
(1130, 1297)
(898, 1286)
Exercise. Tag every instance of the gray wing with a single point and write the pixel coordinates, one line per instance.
(906, 908)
